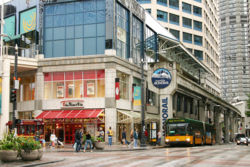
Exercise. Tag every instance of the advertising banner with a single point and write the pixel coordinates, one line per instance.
(137, 96)
(28, 20)
(9, 26)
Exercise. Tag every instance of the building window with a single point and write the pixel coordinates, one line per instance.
(186, 22)
(79, 84)
(162, 16)
(197, 25)
(27, 89)
(187, 37)
(175, 33)
(137, 38)
(179, 103)
(122, 28)
(198, 0)
(124, 84)
(174, 19)
(186, 7)
(198, 54)
(162, 2)
(144, 1)
(197, 40)
(78, 25)
(174, 4)
(148, 10)
(150, 98)
(197, 11)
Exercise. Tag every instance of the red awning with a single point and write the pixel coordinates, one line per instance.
(59, 114)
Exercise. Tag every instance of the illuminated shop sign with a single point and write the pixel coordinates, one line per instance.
(28, 21)
(161, 78)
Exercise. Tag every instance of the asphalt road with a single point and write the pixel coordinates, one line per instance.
(201, 156)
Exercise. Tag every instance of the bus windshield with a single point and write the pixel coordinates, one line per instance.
(179, 129)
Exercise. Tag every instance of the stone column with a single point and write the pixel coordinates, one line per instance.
(217, 125)
(39, 92)
(110, 103)
(226, 124)
(4, 117)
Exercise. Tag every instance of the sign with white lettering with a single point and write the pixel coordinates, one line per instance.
(72, 104)
(161, 78)
(164, 112)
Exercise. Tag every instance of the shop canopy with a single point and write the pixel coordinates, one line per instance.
(63, 114)
(135, 117)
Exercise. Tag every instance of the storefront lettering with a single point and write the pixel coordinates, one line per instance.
(164, 113)
(70, 104)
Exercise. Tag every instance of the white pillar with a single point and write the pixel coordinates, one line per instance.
(4, 117)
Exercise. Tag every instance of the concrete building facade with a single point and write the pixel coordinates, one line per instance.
(195, 24)
(95, 61)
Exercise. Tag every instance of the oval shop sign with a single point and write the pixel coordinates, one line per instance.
(161, 78)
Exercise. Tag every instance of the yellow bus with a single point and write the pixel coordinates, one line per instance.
(189, 132)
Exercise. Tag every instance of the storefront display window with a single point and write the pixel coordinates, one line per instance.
(124, 85)
(74, 84)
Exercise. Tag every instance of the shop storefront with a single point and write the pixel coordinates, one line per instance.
(65, 122)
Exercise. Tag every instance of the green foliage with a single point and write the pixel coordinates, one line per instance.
(99, 139)
(28, 144)
(10, 142)
(248, 102)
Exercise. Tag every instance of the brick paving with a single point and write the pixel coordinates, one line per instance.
(201, 156)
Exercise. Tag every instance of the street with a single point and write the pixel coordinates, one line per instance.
(201, 156)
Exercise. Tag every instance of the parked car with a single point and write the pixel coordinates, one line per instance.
(242, 139)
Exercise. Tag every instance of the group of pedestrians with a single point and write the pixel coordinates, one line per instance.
(79, 140)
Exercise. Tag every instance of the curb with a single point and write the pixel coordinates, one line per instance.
(42, 163)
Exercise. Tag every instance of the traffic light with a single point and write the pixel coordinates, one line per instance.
(12, 95)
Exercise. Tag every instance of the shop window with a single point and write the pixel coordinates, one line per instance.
(151, 98)
(76, 84)
(124, 85)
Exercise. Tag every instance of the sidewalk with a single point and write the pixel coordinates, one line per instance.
(116, 147)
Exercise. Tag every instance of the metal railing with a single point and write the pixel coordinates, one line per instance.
(22, 52)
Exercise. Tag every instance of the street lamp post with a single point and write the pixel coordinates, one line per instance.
(16, 84)
(143, 143)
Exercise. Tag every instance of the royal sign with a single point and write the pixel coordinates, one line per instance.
(161, 78)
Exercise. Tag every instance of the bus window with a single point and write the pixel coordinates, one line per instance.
(177, 129)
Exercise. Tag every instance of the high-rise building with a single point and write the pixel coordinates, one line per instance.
(234, 59)
(195, 23)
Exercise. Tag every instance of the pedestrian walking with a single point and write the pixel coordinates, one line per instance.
(53, 139)
(135, 135)
(110, 134)
(159, 138)
(77, 140)
(124, 137)
(81, 138)
(88, 141)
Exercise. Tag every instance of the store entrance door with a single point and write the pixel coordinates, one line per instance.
(70, 132)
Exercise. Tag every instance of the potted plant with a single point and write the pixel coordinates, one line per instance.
(99, 143)
(9, 148)
(30, 149)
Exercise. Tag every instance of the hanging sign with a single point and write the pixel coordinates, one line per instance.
(161, 78)
(117, 89)
(28, 20)
(137, 95)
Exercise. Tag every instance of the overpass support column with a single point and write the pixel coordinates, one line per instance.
(226, 124)
(231, 127)
(217, 125)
